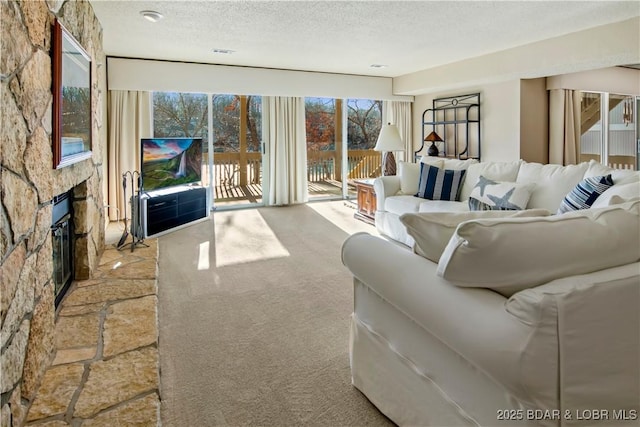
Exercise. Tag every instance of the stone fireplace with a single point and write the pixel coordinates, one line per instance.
(29, 184)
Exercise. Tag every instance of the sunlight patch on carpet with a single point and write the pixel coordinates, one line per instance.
(244, 236)
(340, 213)
(203, 256)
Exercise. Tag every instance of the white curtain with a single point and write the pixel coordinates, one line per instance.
(129, 120)
(564, 126)
(285, 134)
(399, 113)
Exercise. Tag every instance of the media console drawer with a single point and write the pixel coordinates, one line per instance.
(162, 212)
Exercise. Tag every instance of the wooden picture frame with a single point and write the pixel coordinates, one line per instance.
(72, 116)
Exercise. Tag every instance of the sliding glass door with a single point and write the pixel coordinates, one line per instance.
(340, 144)
(237, 150)
(324, 147)
(621, 133)
(340, 135)
(364, 123)
(608, 130)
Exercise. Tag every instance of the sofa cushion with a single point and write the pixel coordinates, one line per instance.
(442, 206)
(499, 195)
(511, 254)
(458, 164)
(433, 161)
(447, 163)
(627, 192)
(432, 231)
(552, 182)
(497, 171)
(439, 184)
(409, 175)
(619, 176)
(402, 204)
(585, 193)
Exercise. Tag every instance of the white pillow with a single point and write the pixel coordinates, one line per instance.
(619, 176)
(552, 182)
(629, 191)
(432, 231)
(511, 254)
(409, 176)
(500, 195)
(447, 163)
(433, 161)
(497, 171)
(457, 164)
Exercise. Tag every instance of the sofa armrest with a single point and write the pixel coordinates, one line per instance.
(598, 328)
(471, 321)
(385, 186)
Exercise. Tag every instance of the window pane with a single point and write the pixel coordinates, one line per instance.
(323, 154)
(622, 146)
(254, 123)
(183, 115)
(226, 123)
(320, 123)
(591, 127)
(180, 115)
(237, 159)
(365, 122)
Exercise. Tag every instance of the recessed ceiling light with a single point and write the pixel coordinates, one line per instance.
(378, 66)
(223, 51)
(151, 15)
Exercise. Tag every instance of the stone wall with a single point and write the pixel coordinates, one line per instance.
(29, 182)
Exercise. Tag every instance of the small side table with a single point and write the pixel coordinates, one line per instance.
(366, 201)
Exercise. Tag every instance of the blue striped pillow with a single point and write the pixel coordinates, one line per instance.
(439, 184)
(585, 193)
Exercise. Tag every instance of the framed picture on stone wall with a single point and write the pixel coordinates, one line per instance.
(72, 116)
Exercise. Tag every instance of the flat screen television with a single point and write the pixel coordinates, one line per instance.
(167, 162)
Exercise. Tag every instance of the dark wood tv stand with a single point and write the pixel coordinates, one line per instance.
(166, 209)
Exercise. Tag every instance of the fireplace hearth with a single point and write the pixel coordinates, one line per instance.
(62, 241)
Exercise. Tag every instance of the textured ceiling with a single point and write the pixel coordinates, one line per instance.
(343, 36)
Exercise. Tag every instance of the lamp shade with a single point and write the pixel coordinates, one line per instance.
(389, 139)
(433, 137)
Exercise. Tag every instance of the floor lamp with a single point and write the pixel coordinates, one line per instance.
(389, 141)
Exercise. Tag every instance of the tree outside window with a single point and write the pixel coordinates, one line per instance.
(180, 115)
(320, 114)
(365, 122)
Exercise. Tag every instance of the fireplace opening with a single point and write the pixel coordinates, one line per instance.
(62, 240)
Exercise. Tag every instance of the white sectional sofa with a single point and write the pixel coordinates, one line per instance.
(551, 183)
(501, 318)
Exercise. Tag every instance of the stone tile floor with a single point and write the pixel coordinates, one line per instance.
(106, 367)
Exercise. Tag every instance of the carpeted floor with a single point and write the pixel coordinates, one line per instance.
(254, 310)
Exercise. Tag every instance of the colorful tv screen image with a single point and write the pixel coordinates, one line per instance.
(167, 162)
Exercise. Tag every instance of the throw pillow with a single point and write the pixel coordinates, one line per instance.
(409, 175)
(585, 193)
(497, 171)
(499, 195)
(439, 184)
(512, 254)
(431, 231)
(627, 192)
(477, 205)
(551, 182)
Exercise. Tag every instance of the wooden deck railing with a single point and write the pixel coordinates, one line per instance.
(364, 164)
(237, 176)
(233, 169)
(227, 170)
